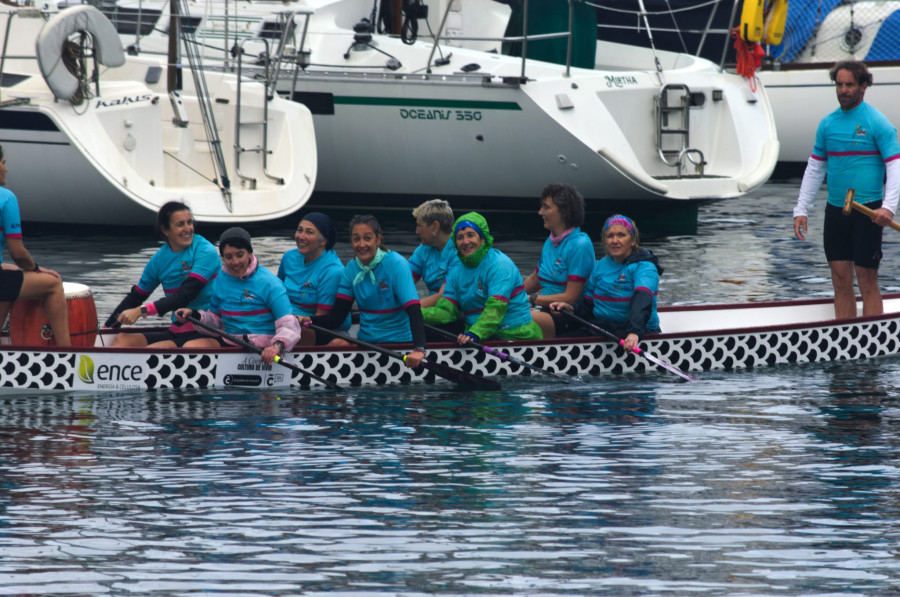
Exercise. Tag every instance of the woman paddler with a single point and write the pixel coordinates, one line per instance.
(246, 300)
(488, 290)
(621, 293)
(311, 273)
(381, 284)
(436, 255)
(566, 258)
(28, 281)
(183, 266)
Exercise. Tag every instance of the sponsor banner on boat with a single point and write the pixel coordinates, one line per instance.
(97, 371)
(249, 371)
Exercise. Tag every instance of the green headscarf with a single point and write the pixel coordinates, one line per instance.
(477, 222)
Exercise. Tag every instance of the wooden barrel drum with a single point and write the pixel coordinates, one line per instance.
(28, 326)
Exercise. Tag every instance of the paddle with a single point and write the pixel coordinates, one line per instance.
(241, 342)
(503, 356)
(635, 350)
(447, 372)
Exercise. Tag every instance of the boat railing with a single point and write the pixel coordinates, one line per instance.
(524, 38)
(31, 13)
(699, 22)
(298, 56)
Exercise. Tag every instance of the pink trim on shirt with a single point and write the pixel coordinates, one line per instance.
(850, 153)
(242, 313)
(380, 311)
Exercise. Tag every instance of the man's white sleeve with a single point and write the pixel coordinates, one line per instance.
(809, 188)
(892, 186)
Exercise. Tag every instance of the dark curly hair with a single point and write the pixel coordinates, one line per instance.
(858, 69)
(568, 201)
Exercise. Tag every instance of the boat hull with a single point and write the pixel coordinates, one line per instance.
(794, 332)
(125, 145)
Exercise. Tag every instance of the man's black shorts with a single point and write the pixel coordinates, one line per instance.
(854, 237)
(10, 284)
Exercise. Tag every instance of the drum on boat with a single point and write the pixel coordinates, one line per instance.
(28, 326)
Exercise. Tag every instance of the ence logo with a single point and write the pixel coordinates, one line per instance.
(108, 375)
(86, 369)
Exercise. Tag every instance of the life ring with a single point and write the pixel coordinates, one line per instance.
(49, 46)
(752, 24)
(776, 20)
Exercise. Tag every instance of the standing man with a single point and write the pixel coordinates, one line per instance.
(855, 146)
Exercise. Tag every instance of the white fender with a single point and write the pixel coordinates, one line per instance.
(49, 46)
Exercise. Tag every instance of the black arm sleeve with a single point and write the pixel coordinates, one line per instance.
(188, 290)
(331, 320)
(583, 309)
(416, 324)
(131, 300)
(641, 308)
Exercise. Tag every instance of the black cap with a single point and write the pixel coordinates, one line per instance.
(325, 225)
(236, 237)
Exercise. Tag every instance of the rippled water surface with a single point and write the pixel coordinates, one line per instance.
(780, 481)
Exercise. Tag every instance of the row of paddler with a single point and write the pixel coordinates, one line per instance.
(475, 292)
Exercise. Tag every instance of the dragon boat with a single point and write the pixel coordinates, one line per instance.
(697, 338)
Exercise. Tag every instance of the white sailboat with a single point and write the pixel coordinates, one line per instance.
(112, 147)
(398, 122)
(817, 34)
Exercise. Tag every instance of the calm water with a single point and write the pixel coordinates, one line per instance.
(775, 482)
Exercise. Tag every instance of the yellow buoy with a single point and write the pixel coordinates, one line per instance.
(775, 22)
(752, 20)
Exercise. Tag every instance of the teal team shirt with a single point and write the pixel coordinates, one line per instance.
(312, 286)
(495, 277)
(10, 218)
(856, 144)
(432, 265)
(250, 305)
(381, 305)
(612, 285)
(572, 260)
(169, 269)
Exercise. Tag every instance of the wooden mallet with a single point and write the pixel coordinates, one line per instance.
(849, 204)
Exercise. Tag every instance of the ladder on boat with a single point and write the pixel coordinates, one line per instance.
(263, 149)
(285, 28)
(673, 120)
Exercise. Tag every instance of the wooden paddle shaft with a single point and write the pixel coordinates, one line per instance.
(849, 204)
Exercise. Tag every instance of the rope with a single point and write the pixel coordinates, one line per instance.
(73, 58)
(746, 63)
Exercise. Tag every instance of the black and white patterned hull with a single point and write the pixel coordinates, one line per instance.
(25, 369)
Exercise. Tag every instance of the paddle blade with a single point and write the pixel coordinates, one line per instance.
(667, 366)
(460, 377)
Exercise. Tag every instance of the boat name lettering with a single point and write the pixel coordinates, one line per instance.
(258, 366)
(620, 80)
(119, 373)
(122, 101)
(424, 114)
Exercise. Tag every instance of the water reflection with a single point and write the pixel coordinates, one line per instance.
(619, 486)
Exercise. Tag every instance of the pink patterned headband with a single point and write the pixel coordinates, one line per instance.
(621, 221)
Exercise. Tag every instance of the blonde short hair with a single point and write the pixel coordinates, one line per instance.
(435, 210)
